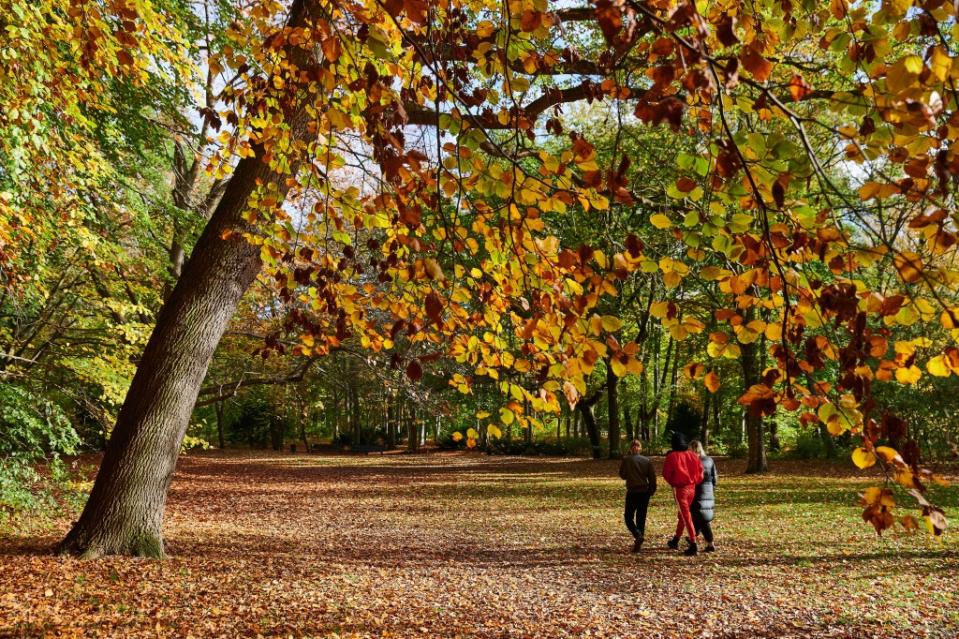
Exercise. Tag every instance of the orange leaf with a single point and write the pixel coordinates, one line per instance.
(712, 381)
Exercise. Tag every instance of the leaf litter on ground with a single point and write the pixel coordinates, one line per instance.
(465, 545)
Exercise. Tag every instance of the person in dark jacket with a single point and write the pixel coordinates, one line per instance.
(640, 479)
(683, 471)
(704, 503)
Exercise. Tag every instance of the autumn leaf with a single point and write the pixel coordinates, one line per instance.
(863, 458)
(414, 371)
(711, 380)
(756, 64)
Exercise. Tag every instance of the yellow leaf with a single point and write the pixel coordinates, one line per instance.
(872, 495)
(774, 332)
(472, 434)
(634, 366)
(835, 427)
(659, 309)
(493, 431)
(732, 351)
(671, 279)
(595, 324)
(619, 369)
(938, 367)
(940, 64)
(611, 324)
(457, 436)
(660, 221)
(506, 416)
(905, 478)
(888, 454)
(863, 458)
(908, 375)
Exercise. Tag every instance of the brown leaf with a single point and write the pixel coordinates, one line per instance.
(414, 371)
(756, 64)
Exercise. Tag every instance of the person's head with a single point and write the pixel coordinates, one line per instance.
(697, 447)
(678, 441)
(635, 447)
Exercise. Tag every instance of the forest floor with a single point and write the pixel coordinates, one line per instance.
(464, 545)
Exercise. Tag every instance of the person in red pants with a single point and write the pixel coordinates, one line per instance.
(682, 470)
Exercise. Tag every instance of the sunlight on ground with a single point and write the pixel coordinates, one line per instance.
(452, 545)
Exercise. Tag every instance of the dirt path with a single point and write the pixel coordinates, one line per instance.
(471, 546)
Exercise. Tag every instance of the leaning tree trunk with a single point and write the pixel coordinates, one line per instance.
(124, 513)
(125, 510)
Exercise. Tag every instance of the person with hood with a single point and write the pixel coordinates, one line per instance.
(683, 471)
(640, 478)
(704, 503)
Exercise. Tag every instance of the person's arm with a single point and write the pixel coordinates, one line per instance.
(622, 468)
(715, 474)
(668, 468)
(651, 478)
(699, 472)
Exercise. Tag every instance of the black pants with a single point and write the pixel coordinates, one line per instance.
(702, 526)
(635, 512)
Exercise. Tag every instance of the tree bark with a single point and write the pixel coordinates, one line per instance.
(773, 436)
(756, 459)
(356, 422)
(413, 433)
(628, 424)
(585, 407)
(717, 425)
(390, 423)
(219, 424)
(124, 513)
(704, 421)
(826, 438)
(612, 404)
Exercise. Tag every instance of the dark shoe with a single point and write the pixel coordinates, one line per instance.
(709, 548)
(673, 543)
(638, 544)
(692, 550)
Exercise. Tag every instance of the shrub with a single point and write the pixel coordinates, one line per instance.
(32, 428)
(737, 450)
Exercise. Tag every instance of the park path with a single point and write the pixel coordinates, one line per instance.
(454, 545)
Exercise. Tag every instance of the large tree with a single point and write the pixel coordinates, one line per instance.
(453, 220)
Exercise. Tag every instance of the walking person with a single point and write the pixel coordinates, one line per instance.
(683, 471)
(704, 503)
(640, 478)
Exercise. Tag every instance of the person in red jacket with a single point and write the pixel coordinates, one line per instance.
(682, 470)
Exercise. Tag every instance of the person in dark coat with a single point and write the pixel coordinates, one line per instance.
(640, 478)
(704, 503)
